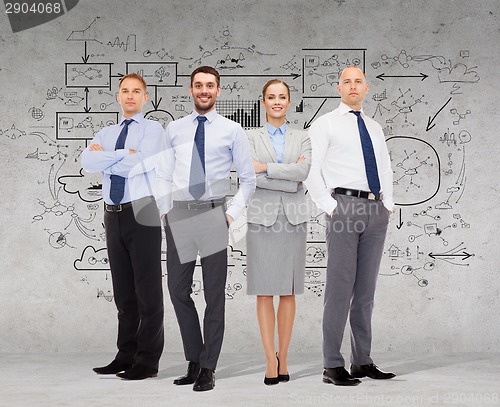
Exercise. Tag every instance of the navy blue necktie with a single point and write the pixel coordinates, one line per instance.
(117, 187)
(368, 155)
(197, 173)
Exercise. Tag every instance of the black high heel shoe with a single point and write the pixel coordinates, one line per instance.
(282, 377)
(269, 381)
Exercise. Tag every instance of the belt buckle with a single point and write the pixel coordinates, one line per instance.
(192, 206)
(374, 197)
(119, 208)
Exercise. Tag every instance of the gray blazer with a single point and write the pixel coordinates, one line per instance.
(282, 185)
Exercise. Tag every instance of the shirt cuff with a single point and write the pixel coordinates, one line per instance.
(234, 211)
(329, 207)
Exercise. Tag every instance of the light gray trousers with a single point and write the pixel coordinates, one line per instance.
(355, 236)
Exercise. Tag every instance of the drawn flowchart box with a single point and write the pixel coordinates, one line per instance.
(162, 74)
(321, 68)
(88, 75)
(82, 125)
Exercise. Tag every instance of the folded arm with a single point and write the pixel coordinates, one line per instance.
(276, 184)
(297, 171)
(95, 159)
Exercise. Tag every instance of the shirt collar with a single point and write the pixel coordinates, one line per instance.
(210, 115)
(273, 131)
(138, 117)
(344, 109)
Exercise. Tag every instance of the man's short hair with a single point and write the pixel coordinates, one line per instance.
(134, 75)
(206, 69)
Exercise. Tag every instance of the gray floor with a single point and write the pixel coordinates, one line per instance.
(422, 380)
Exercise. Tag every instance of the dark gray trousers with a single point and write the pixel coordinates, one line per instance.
(189, 233)
(355, 236)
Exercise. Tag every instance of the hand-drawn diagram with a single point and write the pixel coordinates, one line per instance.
(321, 68)
(413, 97)
(417, 170)
(429, 166)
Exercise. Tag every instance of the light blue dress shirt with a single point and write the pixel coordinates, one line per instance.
(226, 145)
(277, 136)
(146, 137)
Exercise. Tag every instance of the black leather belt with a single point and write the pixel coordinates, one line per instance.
(195, 205)
(358, 194)
(117, 208)
(121, 207)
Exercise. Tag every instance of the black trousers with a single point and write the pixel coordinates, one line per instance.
(189, 233)
(134, 252)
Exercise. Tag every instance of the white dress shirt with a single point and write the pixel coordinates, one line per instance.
(226, 144)
(337, 158)
(144, 136)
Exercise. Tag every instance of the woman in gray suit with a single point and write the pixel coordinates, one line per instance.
(277, 217)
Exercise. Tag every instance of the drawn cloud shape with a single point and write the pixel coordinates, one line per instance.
(93, 260)
(443, 205)
(458, 73)
(87, 186)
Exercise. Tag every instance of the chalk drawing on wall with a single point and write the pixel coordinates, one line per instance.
(412, 95)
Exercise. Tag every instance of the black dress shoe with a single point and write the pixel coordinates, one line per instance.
(116, 366)
(138, 372)
(191, 375)
(205, 380)
(269, 381)
(371, 371)
(282, 377)
(339, 376)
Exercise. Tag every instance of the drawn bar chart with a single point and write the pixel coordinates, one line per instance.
(245, 112)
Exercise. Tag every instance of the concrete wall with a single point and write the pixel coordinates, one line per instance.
(434, 84)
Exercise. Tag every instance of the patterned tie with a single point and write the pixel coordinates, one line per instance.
(197, 173)
(118, 183)
(368, 155)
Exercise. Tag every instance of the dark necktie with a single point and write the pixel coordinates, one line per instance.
(368, 155)
(118, 183)
(197, 173)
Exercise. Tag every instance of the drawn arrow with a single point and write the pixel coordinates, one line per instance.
(87, 108)
(400, 224)
(429, 120)
(291, 75)
(120, 75)
(308, 124)
(86, 57)
(156, 102)
(383, 75)
(464, 255)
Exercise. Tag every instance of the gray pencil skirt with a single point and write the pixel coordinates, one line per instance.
(276, 258)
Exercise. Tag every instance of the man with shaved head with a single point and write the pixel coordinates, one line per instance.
(351, 181)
